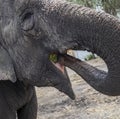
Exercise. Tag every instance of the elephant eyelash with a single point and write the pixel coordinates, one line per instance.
(27, 16)
(26, 12)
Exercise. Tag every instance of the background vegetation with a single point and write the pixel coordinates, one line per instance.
(109, 6)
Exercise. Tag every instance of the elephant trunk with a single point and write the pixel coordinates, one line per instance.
(106, 83)
(97, 32)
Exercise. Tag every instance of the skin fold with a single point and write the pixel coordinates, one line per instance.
(32, 30)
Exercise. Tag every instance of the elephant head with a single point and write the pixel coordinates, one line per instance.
(26, 43)
(32, 30)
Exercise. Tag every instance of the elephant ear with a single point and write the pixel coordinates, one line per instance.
(6, 67)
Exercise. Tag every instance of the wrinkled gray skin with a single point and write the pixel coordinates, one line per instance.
(30, 30)
(26, 41)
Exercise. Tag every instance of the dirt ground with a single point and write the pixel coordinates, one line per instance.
(89, 104)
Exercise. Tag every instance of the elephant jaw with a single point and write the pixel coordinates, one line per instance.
(60, 79)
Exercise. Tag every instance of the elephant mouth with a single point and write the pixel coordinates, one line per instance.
(60, 60)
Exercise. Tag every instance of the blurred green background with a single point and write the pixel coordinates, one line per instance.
(109, 6)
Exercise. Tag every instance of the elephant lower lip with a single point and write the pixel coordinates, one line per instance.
(64, 84)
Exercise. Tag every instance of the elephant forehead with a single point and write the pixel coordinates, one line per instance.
(6, 8)
(19, 4)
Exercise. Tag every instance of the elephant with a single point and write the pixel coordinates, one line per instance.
(24, 59)
(31, 31)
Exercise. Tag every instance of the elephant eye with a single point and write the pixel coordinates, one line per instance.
(28, 21)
